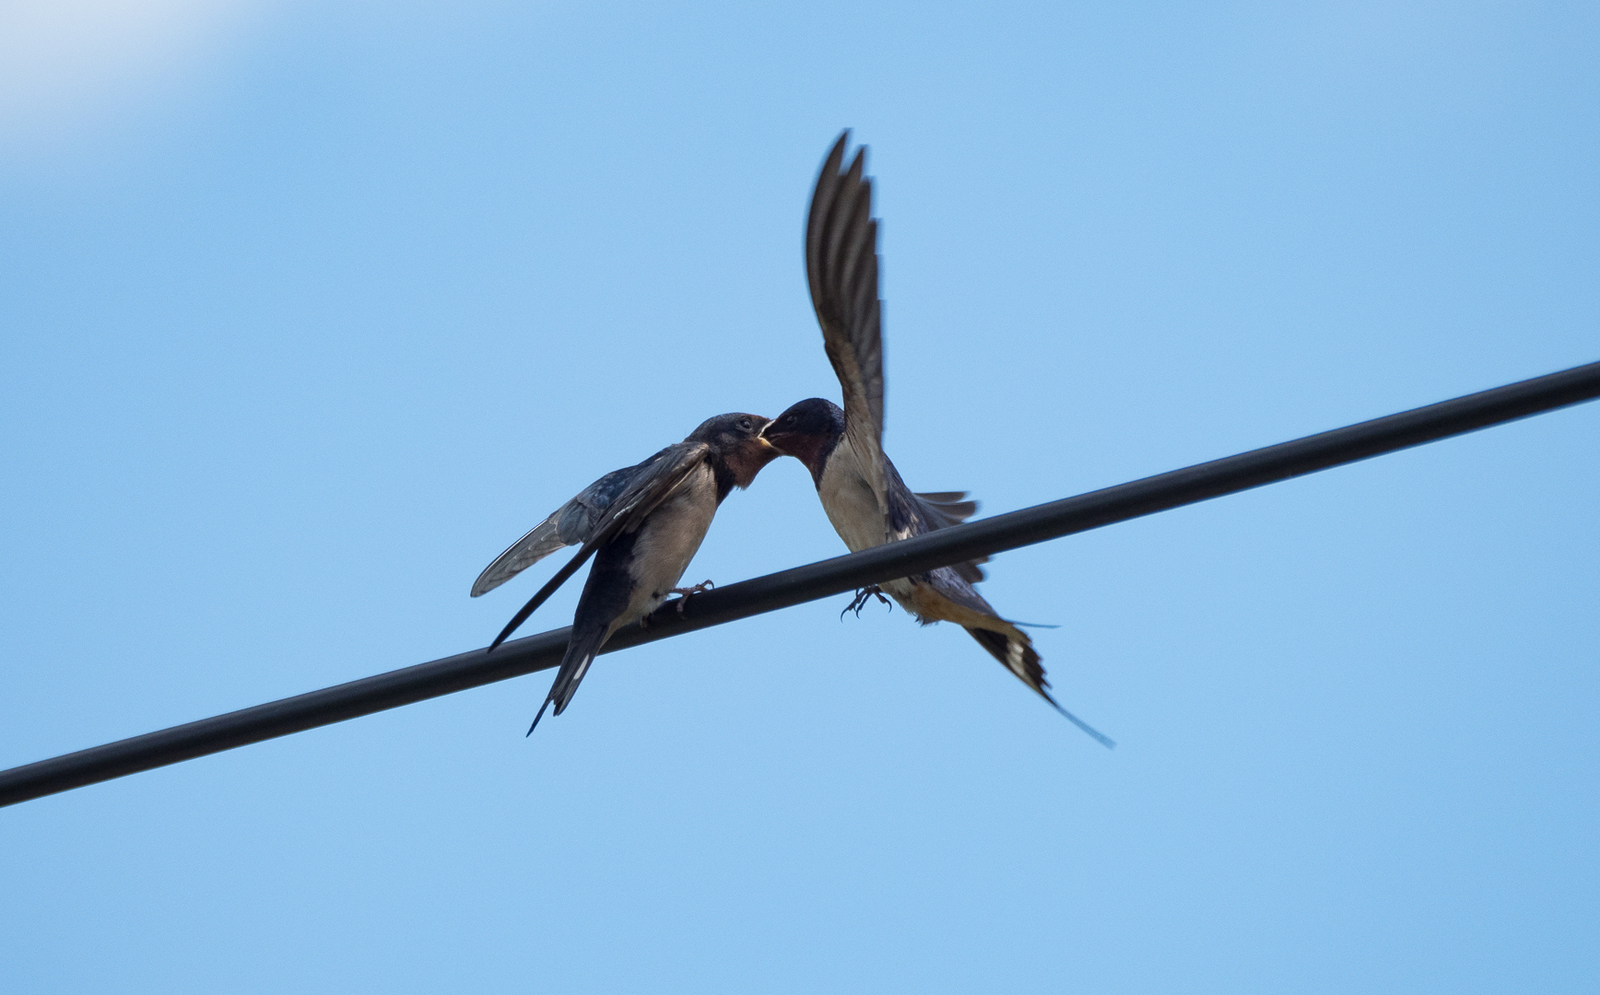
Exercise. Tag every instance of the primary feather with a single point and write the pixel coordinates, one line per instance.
(572, 523)
(861, 490)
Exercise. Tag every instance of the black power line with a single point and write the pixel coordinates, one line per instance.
(816, 580)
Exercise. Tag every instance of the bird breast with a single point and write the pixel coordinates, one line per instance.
(849, 501)
(667, 541)
(852, 506)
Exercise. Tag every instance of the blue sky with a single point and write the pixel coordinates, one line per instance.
(309, 309)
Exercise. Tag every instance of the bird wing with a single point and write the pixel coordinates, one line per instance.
(571, 523)
(842, 269)
(948, 508)
(637, 494)
(943, 509)
(909, 514)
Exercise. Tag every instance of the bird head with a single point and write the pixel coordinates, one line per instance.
(736, 440)
(807, 431)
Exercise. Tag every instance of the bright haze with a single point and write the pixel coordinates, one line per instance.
(307, 311)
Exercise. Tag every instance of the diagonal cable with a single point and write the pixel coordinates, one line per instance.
(812, 581)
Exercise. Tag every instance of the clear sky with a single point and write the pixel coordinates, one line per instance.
(307, 310)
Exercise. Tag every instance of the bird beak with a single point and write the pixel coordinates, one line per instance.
(768, 451)
(748, 459)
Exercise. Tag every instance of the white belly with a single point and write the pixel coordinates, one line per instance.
(849, 501)
(852, 507)
(667, 542)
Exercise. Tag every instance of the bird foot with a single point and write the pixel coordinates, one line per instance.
(874, 591)
(684, 592)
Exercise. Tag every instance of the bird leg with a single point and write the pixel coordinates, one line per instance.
(684, 592)
(874, 591)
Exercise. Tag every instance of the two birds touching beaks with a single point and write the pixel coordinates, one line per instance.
(643, 524)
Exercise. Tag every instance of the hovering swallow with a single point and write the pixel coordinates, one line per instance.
(642, 524)
(861, 491)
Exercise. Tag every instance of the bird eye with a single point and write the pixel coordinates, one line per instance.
(746, 424)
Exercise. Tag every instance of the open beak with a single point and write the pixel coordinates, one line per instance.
(751, 456)
(768, 451)
(768, 442)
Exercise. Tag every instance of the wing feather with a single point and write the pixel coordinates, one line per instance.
(645, 487)
(571, 523)
(842, 271)
(943, 509)
(949, 507)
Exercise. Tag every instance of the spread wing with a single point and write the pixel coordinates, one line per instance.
(842, 269)
(948, 508)
(635, 495)
(917, 514)
(943, 509)
(571, 523)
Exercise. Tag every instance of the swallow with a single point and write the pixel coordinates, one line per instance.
(642, 524)
(861, 491)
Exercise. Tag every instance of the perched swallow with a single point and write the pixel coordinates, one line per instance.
(861, 491)
(642, 524)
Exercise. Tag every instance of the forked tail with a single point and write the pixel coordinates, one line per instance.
(1015, 650)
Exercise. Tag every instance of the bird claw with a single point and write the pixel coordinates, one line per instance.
(684, 592)
(872, 591)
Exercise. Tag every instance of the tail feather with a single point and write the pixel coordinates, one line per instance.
(1015, 650)
(1017, 654)
(582, 647)
(944, 595)
(536, 718)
